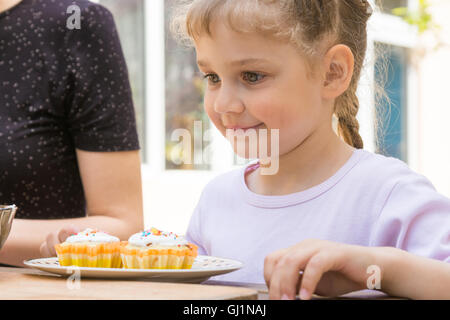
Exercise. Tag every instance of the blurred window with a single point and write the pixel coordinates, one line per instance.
(184, 103)
(392, 112)
(129, 18)
(387, 5)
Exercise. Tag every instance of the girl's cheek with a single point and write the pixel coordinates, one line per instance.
(267, 112)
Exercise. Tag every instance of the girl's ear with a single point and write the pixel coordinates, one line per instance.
(338, 65)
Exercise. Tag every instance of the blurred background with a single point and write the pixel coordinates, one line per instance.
(409, 122)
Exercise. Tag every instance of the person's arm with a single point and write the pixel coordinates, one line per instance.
(113, 191)
(333, 269)
(415, 277)
(8, 4)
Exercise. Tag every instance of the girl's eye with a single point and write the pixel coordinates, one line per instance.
(212, 78)
(252, 77)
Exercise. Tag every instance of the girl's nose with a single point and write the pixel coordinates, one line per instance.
(228, 101)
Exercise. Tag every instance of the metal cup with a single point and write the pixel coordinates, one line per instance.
(7, 213)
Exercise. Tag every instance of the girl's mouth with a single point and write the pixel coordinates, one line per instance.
(244, 128)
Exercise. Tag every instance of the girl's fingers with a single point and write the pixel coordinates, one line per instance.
(282, 268)
(279, 289)
(270, 262)
(320, 263)
(274, 289)
(287, 273)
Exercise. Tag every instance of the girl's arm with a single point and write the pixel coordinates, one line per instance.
(113, 191)
(414, 277)
(333, 269)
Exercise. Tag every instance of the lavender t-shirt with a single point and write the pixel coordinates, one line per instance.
(372, 200)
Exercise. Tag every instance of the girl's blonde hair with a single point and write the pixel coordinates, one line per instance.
(306, 23)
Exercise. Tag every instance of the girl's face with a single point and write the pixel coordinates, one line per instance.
(261, 83)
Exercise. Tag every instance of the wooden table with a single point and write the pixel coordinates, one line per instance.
(26, 283)
(30, 284)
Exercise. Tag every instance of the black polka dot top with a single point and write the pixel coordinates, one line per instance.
(61, 88)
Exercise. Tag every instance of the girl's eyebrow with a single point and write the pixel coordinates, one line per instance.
(241, 63)
(202, 63)
(245, 62)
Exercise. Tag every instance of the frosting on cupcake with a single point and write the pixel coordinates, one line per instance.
(92, 235)
(155, 237)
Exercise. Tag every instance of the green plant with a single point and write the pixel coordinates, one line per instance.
(421, 18)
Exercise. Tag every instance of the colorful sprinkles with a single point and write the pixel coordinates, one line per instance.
(156, 232)
(87, 232)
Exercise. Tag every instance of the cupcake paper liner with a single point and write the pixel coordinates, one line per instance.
(150, 258)
(96, 255)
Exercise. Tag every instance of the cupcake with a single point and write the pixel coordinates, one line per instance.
(154, 249)
(90, 248)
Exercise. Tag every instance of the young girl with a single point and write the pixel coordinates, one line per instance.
(290, 67)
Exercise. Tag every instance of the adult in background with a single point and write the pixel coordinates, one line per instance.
(69, 151)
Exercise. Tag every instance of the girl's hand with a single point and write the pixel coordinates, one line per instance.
(47, 248)
(329, 269)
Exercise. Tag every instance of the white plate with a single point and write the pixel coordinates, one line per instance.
(203, 268)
